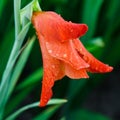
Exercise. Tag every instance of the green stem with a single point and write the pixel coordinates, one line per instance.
(36, 104)
(8, 70)
(17, 4)
(13, 56)
(7, 74)
(19, 38)
(9, 67)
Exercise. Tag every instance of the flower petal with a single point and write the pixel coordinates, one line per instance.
(67, 53)
(53, 70)
(95, 65)
(53, 26)
(47, 84)
(75, 74)
(62, 52)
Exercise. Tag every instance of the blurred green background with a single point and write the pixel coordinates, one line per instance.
(96, 98)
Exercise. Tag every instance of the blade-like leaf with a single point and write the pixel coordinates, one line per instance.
(112, 18)
(45, 115)
(91, 10)
(7, 84)
(5, 49)
(28, 84)
(17, 4)
(86, 115)
(51, 102)
(26, 12)
(32, 79)
(20, 65)
(2, 5)
(14, 55)
(114, 53)
(75, 86)
(94, 44)
(16, 100)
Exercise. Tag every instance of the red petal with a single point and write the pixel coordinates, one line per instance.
(47, 84)
(53, 70)
(95, 65)
(53, 26)
(67, 53)
(75, 74)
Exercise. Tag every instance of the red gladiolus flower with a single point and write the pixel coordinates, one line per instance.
(62, 52)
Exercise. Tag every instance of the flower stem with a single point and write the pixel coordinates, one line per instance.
(6, 76)
(17, 4)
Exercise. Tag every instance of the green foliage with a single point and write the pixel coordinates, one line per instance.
(90, 15)
(44, 115)
(86, 115)
(19, 79)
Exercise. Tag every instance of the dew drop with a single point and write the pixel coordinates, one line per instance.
(50, 51)
(53, 66)
(71, 30)
(47, 43)
(57, 54)
(80, 49)
(64, 55)
(96, 68)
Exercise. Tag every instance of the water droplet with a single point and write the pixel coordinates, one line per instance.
(47, 43)
(64, 55)
(96, 68)
(80, 49)
(71, 30)
(57, 54)
(50, 51)
(53, 66)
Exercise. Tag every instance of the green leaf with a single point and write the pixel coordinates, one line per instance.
(17, 4)
(19, 38)
(26, 12)
(56, 101)
(111, 35)
(32, 79)
(9, 80)
(14, 55)
(36, 6)
(63, 118)
(112, 18)
(36, 104)
(75, 87)
(45, 115)
(5, 49)
(27, 84)
(20, 65)
(90, 15)
(86, 115)
(113, 8)
(113, 57)
(16, 99)
(2, 5)
(94, 44)
(14, 115)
